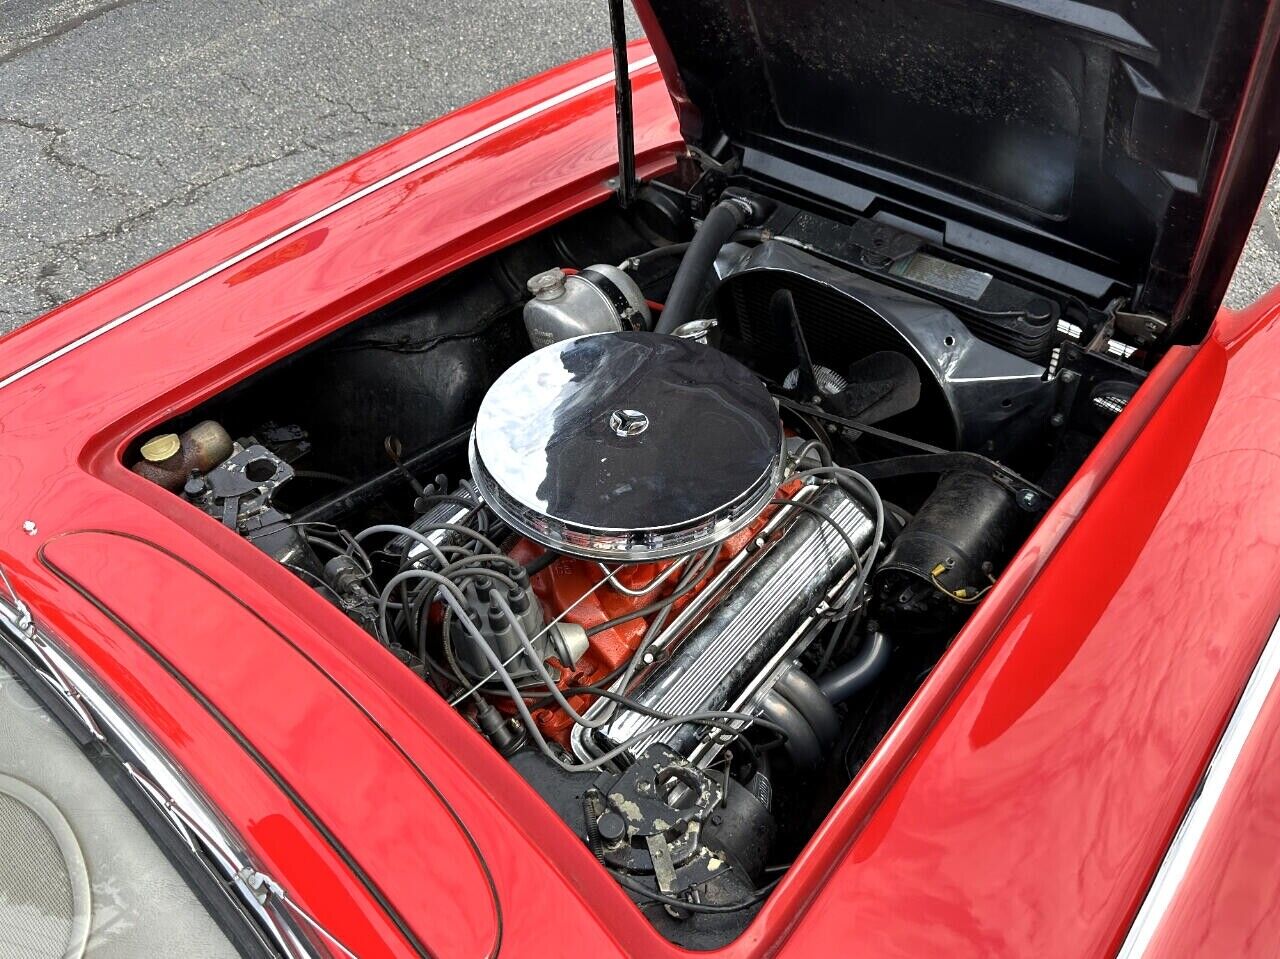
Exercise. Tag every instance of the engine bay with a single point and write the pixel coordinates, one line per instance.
(677, 506)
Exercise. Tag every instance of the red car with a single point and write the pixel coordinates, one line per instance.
(831, 516)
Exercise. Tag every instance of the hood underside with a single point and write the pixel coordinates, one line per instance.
(1130, 140)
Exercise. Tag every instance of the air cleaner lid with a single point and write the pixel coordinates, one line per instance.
(627, 446)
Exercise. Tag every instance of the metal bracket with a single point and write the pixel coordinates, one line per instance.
(1142, 327)
(708, 162)
(1030, 497)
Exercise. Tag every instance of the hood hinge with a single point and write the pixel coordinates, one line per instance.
(1142, 328)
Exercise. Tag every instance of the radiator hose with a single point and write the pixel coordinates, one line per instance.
(858, 673)
(725, 219)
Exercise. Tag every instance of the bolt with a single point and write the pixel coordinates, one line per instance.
(1057, 419)
(612, 828)
(1028, 499)
(29, 527)
(1152, 325)
(1069, 376)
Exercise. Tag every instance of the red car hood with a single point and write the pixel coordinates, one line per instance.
(1020, 806)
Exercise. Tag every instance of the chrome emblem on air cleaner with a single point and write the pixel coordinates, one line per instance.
(628, 422)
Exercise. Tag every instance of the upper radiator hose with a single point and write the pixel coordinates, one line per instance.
(725, 219)
(858, 673)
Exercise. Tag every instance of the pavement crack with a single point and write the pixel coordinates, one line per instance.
(349, 107)
(52, 151)
(34, 126)
(63, 28)
(121, 153)
(194, 189)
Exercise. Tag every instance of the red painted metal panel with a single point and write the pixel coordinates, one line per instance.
(1021, 804)
(1226, 904)
(1033, 813)
(351, 775)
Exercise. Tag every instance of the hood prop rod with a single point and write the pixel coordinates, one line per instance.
(622, 107)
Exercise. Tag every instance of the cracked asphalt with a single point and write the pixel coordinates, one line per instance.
(128, 126)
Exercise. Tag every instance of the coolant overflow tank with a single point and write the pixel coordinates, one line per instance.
(598, 299)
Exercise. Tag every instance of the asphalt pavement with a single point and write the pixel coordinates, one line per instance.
(128, 126)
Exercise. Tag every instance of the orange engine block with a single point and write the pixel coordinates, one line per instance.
(565, 581)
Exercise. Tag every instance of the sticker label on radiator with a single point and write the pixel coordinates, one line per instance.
(942, 275)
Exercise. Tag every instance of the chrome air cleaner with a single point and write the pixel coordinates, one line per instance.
(627, 446)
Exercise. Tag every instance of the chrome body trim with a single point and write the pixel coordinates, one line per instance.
(528, 112)
(1195, 821)
(190, 815)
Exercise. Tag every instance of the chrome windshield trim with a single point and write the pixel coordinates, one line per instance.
(528, 112)
(189, 814)
(1186, 841)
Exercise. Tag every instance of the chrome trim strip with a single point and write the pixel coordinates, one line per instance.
(191, 816)
(516, 118)
(1195, 821)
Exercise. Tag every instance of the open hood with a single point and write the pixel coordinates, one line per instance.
(1110, 146)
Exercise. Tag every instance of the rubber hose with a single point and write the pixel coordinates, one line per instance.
(537, 565)
(725, 218)
(802, 742)
(803, 693)
(858, 673)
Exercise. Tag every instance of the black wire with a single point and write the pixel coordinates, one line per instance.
(603, 681)
(315, 579)
(658, 898)
(659, 252)
(839, 636)
(535, 566)
(322, 475)
(321, 541)
(679, 249)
